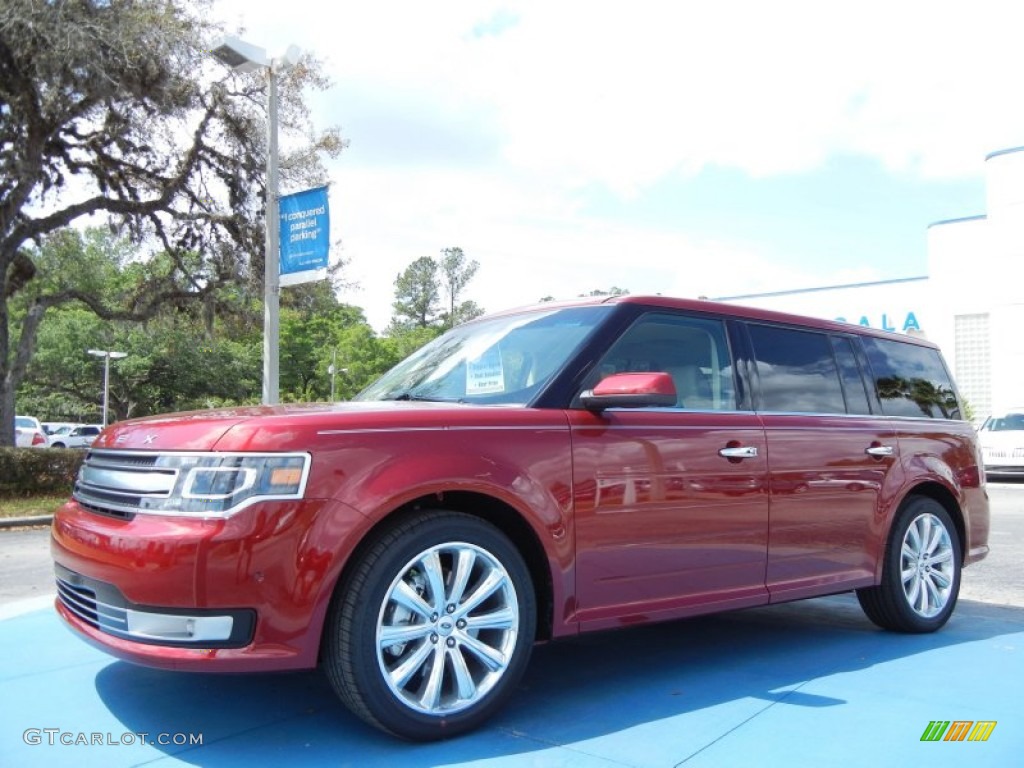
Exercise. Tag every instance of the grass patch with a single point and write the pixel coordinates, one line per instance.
(31, 505)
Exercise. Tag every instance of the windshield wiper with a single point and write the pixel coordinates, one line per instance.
(409, 396)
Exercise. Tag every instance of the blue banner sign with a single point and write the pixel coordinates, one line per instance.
(305, 236)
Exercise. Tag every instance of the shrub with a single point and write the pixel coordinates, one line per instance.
(35, 471)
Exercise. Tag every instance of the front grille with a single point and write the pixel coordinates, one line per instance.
(106, 611)
(116, 483)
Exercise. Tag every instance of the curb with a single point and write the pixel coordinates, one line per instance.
(18, 522)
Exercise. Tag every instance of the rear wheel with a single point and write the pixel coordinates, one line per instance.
(921, 572)
(433, 629)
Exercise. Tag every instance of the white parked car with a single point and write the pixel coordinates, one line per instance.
(1002, 443)
(50, 427)
(28, 433)
(75, 436)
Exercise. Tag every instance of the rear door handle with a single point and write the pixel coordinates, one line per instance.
(746, 452)
(878, 451)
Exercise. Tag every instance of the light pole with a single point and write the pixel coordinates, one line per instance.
(107, 355)
(333, 369)
(244, 57)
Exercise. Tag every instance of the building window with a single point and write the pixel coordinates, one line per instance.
(972, 365)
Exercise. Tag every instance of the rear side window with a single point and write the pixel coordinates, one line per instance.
(911, 380)
(797, 371)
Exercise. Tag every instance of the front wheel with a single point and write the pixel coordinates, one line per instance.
(433, 629)
(921, 572)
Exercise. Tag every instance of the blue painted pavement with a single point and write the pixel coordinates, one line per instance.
(811, 683)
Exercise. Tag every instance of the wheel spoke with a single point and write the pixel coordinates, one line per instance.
(491, 657)
(506, 618)
(400, 675)
(933, 599)
(913, 538)
(463, 569)
(495, 579)
(395, 634)
(463, 680)
(407, 597)
(935, 540)
(915, 588)
(432, 691)
(945, 556)
(944, 580)
(922, 597)
(435, 577)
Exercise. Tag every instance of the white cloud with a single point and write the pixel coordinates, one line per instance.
(478, 123)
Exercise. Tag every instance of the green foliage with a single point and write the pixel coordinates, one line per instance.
(32, 471)
(161, 141)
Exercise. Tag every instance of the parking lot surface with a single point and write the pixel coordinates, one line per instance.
(800, 684)
(808, 683)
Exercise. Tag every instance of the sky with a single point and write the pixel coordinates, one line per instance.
(683, 148)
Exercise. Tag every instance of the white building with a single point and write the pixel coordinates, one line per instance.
(971, 302)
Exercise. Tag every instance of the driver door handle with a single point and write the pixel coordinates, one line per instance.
(878, 451)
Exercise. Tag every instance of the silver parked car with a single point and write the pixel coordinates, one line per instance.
(75, 436)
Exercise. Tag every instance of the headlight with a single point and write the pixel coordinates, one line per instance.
(194, 484)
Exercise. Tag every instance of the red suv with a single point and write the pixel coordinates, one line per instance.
(528, 476)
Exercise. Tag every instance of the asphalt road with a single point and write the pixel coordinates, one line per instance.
(26, 571)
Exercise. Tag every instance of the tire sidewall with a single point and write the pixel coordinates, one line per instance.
(364, 612)
(892, 581)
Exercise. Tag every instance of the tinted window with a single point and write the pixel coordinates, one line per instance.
(911, 380)
(693, 350)
(797, 371)
(849, 373)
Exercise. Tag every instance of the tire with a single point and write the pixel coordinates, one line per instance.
(57, 445)
(921, 572)
(454, 597)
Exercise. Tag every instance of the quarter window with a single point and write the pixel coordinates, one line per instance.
(797, 371)
(911, 379)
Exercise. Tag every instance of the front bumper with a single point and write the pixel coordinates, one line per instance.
(245, 593)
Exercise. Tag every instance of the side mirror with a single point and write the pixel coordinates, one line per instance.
(631, 390)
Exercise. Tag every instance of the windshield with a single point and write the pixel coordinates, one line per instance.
(24, 421)
(1007, 423)
(504, 360)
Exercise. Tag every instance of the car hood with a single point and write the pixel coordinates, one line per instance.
(286, 427)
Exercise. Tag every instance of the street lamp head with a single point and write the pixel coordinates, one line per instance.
(239, 55)
(107, 353)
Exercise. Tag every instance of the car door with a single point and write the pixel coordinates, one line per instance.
(671, 504)
(832, 458)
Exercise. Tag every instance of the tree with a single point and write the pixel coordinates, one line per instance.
(417, 294)
(115, 109)
(456, 273)
(613, 291)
